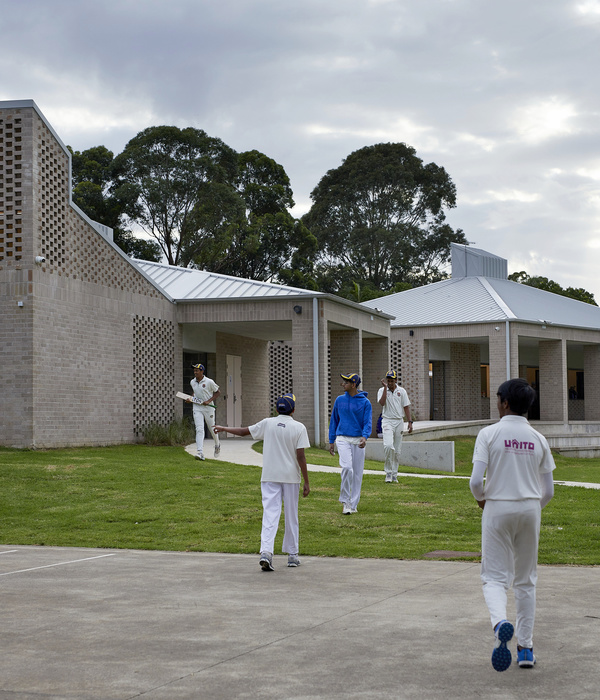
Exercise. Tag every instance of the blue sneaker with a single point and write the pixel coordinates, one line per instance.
(501, 656)
(526, 658)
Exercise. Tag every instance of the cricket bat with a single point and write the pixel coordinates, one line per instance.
(193, 399)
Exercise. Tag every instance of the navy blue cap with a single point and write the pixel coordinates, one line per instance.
(198, 366)
(353, 377)
(286, 403)
(392, 374)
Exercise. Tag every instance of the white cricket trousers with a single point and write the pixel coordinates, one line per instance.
(204, 414)
(352, 463)
(510, 533)
(272, 494)
(392, 445)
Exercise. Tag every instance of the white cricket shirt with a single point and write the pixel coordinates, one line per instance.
(394, 403)
(282, 436)
(203, 389)
(515, 455)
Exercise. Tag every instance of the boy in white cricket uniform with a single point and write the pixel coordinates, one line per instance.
(206, 391)
(518, 465)
(283, 465)
(395, 402)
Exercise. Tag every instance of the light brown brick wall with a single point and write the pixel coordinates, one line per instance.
(415, 372)
(441, 403)
(71, 351)
(16, 359)
(346, 356)
(254, 375)
(464, 383)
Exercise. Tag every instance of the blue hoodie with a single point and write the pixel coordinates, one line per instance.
(351, 416)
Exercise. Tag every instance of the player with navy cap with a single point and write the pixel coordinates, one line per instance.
(396, 408)
(206, 392)
(284, 464)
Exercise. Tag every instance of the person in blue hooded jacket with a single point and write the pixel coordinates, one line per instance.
(349, 428)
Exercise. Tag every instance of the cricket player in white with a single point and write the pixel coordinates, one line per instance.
(517, 463)
(284, 464)
(206, 391)
(394, 400)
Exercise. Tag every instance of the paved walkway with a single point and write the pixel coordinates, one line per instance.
(105, 624)
(239, 451)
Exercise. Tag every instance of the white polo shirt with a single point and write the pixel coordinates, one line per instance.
(203, 389)
(515, 455)
(395, 402)
(282, 436)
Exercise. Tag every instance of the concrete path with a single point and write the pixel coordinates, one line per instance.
(239, 451)
(97, 624)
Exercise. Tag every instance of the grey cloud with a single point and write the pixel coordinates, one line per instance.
(451, 79)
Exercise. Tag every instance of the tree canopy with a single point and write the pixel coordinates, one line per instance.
(246, 230)
(159, 176)
(377, 223)
(551, 286)
(379, 220)
(92, 182)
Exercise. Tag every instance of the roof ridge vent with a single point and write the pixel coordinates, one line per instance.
(472, 262)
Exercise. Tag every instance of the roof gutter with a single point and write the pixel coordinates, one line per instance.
(289, 297)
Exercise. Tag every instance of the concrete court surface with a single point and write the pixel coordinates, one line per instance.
(102, 624)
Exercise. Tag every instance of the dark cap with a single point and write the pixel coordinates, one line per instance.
(286, 403)
(353, 377)
(392, 374)
(198, 366)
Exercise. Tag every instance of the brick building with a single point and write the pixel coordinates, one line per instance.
(94, 345)
(462, 337)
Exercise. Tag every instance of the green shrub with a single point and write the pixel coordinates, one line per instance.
(180, 431)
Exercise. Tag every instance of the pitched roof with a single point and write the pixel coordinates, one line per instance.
(185, 284)
(484, 299)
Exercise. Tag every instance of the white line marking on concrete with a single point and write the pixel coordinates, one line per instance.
(9, 551)
(60, 563)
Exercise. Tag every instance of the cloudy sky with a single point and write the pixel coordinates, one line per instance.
(504, 95)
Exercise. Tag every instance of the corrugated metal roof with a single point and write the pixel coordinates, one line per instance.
(185, 284)
(531, 304)
(480, 299)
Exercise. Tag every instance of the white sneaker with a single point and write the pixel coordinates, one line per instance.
(293, 560)
(346, 510)
(266, 561)
(200, 456)
(217, 450)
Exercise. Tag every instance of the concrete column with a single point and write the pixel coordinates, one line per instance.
(376, 358)
(302, 368)
(440, 407)
(553, 381)
(591, 382)
(497, 350)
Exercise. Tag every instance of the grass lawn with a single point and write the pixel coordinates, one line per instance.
(144, 497)
(567, 468)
